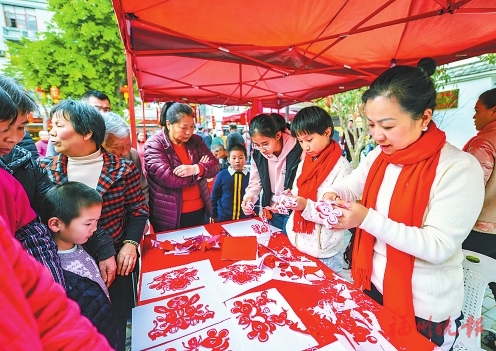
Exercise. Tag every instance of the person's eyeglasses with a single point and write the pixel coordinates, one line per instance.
(102, 108)
(261, 147)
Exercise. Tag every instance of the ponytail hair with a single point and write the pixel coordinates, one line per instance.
(411, 87)
(267, 125)
(173, 112)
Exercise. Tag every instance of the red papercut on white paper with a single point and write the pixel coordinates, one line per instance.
(251, 227)
(166, 282)
(298, 272)
(219, 337)
(242, 274)
(175, 317)
(352, 316)
(265, 321)
(240, 277)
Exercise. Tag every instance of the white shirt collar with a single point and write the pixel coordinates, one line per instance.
(232, 171)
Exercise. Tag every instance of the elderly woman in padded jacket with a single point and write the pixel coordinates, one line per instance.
(177, 164)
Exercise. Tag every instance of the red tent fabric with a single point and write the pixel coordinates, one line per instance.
(288, 51)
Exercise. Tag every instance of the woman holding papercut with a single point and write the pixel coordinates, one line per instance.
(275, 158)
(177, 164)
(420, 199)
(322, 166)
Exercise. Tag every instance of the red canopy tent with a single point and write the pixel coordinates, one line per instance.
(287, 51)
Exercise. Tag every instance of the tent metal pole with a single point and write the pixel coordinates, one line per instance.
(130, 86)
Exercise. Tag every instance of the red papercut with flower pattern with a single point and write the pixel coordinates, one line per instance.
(242, 273)
(215, 341)
(255, 315)
(180, 313)
(178, 279)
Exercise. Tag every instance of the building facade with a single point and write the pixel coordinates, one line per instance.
(21, 18)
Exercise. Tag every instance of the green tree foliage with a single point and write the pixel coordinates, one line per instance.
(81, 50)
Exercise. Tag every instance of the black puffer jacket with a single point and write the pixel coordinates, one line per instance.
(93, 303)
(29, 173)
(27, 143)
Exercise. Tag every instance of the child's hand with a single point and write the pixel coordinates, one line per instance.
(213, 219)
(301, 203)
(330, 196)
(247, 206)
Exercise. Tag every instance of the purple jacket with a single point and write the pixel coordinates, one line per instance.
(165, 187)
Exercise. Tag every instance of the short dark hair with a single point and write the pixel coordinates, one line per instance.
(83, 117)
(65, 201)
(238, 147)
(488, 98)
(24, 103)
(173, 112)
(412, 87)
(8, 110)
(233, 126)
(95, 93)
(309, 120)
(267, 125)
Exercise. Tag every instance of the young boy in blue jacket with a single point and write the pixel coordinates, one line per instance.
(229, 187)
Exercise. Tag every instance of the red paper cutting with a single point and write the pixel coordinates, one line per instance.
(177, 279)
(239, 248)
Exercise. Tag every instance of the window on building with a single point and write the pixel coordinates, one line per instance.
(20, 17)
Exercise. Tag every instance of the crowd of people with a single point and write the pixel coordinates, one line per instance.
(82, 209)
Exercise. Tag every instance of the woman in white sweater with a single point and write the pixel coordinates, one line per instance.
(420, 198)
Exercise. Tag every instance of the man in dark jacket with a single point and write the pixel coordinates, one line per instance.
(234, 137)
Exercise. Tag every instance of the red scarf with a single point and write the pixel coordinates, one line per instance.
(313, 173)
(408, 204)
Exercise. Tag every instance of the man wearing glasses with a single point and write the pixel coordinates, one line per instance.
(95, 98)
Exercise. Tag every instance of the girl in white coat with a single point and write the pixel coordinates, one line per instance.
(322, 166)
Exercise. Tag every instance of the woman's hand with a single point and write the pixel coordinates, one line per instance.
(247, 206)
(301, 203)
(185, 170)
(126, 259)
(353, 214)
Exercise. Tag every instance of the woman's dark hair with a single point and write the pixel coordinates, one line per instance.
(267, 125)
(65, 201)
(309, 120)
(84, 118)
(23, 102)
(412, 87)
(8, 111)
(488, 98)
(173, 111)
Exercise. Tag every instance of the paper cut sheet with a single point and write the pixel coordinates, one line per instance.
(251, 227)
(170, 281)
(219, 337)
(180, 235)
(175, 317)
(265, 321)
(240, 277)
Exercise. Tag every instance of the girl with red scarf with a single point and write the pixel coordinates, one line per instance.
(321, 167)
(420, 198)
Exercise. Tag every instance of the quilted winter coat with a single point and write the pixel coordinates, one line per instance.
(166, 188)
